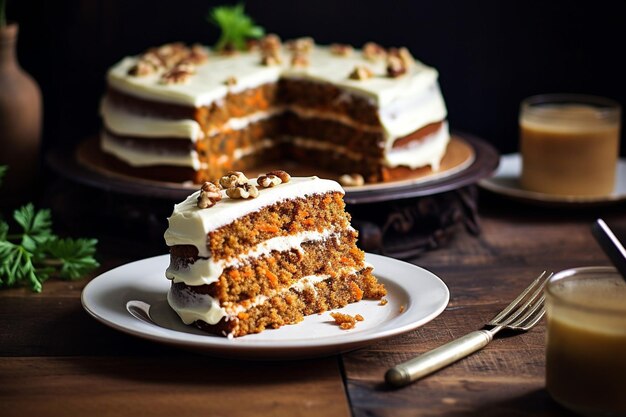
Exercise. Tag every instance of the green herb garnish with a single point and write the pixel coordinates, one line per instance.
(236, 27)
(35, 253)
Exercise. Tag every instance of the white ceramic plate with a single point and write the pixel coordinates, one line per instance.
(132, 299)
(505, 181)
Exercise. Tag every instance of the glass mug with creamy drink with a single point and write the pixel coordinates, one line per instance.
(569, 144)
(586, 340)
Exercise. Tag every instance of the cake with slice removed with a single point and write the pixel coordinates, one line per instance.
(246, 255)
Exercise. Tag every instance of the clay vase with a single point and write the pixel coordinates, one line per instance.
(20, 123)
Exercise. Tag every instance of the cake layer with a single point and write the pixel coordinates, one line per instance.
(311, 295)
(261, 271)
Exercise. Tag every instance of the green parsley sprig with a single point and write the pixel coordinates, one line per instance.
(35, 253)
(236, 27)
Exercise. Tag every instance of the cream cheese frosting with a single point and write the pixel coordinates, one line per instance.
(189, 225)
(405, 103)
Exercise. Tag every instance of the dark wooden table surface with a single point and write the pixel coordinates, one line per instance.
(55, 360)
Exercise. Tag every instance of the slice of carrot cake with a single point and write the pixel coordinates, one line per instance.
(246, 255)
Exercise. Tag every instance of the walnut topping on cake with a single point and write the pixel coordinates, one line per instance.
(178, 74)
(197, 55)
(233, 179)
(361, 72)
(395, 66)
(142, 68)
(341, 49)
(243, 191)
(300, 59)
(177, 60)
(230, 81)
(268, 181)
(270, 42)
(351, 180)
(283, 175)
(373, 51)
(209, 195)
(404, 55)
(273, 178)
(300, 44)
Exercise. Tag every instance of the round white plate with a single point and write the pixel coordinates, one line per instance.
(505, 181)
(132, 299)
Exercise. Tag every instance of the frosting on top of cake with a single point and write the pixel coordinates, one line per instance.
(189, 225)
(208, 84)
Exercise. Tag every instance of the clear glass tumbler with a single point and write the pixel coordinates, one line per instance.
(569, 144)
(586, 340)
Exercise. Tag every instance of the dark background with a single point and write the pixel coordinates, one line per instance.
(490, 54)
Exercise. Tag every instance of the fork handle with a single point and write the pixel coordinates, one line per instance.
(438, 358)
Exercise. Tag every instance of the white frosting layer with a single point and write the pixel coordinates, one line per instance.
(189, 225)
(405, 103)
(191, 306)
(124, 123)
(207, 270)
(145, 157)
(428, 151)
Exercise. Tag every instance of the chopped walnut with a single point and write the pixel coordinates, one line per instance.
(172, 53)
(270, 42)
(271, 58)
(341, 49)
(351, 180)
(300, 59)
(142, 68)
(177, 60)
(230, 81)
(209, 195)
(373, 51)
(406, 57)
(233, 179)
(243, 191)
(395, 66)
(283, 175)
(178, 74)
(197, 55)
(300, 44)
(153, 58)
(268, 181)
(361, 72)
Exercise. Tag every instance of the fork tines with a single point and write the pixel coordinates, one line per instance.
(527, 309)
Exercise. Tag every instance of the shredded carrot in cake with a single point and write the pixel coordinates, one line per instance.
(347, 261)
(269, 228)
(234, 275)
(273, 279)
(243, 316)
(356, 291)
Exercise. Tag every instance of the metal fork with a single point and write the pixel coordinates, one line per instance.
(522, 314)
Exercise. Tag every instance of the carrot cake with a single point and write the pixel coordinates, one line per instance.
(187, 113)
(247, 255)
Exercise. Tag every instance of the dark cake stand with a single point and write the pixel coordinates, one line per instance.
(401, 218)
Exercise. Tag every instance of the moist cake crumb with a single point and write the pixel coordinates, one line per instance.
(346, 321)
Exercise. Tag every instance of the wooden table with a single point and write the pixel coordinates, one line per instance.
(55, 360)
